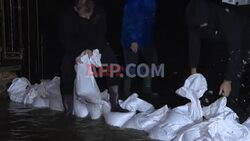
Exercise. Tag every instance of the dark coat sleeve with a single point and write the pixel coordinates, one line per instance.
(194, 48)
(71, 44)
(99, 40)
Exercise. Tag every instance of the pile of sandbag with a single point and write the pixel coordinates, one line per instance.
(44, 95)
(190, 122)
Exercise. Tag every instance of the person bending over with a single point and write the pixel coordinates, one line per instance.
(83, 28)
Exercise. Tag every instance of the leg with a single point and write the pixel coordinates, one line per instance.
(113, 82)
(129, 59)
(67, 84)
(150, 56)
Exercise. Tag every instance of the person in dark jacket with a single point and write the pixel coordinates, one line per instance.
(83, 28)
(137, 38)
(211, 19)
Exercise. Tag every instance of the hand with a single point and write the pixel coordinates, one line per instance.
(87, 51)
(134, 47)
(225, 88)
(193, 71)
(78, 60)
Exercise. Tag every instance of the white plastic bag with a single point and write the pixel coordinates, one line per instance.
(194, 88)
(54, 94)
(183, 116)
(85, 83)
(115, 118)
(42, 100)
(18, 89)
(32, 95)
(133, 104)
(218, 108)
(247, 123)
(79, 107)
(147, 120)
(95, 110)
(221, 125)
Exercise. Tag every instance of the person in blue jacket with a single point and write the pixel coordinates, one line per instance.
(137, 38)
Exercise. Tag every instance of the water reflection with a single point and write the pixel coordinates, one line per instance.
(20, 122)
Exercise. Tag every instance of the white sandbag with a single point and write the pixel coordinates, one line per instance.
(115, 118)
(32, 95)
(220, 128)
(167, 129)
(79, 107)
(42, 100)
(146, 121)
(105, 95)
(95, 110)
(194, 88)
(218, 108)
(54, 94)
(247, 123)
(85, 83)
(183, 116)
(17, 90)
(133, 103)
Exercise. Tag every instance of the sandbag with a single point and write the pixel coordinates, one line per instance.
(147, 120)
(41, 100)
(115, 118)
(32, 95)
(186, 115)
(79, 107)
(85, 84)
(133, 103)
(95, 110)
(18, 89)
(54, 94)
(220, 128)
(218, 108)
(247, 123)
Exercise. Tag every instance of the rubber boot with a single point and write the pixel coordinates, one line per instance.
(114, 99)
(147, 87)
(68, 104)
(126, 86)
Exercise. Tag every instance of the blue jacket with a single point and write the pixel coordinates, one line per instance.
(138, 22)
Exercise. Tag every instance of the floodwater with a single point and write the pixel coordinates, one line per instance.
(19, 122)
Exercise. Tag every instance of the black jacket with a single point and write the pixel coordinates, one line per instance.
(77, 34)
(227, 23)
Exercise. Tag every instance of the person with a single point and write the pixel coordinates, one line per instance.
(137, 39)
(211, 19)
(81, 29)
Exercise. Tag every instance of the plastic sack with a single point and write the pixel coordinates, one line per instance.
(220, 128)
(115, 118)
(218, 108)
(79, 107)
(222, 125)
(182, 116)
(133, 104)
(95, 110)
(146, 121)
(85, 83)
(41, 100)
(18, 89)
(54, 94)
(247, 123)
(32, 95)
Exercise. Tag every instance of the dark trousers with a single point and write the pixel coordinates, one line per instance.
(148, 54)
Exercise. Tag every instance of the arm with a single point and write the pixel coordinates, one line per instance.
(194, 50)
(130, 28)
(71, 44)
